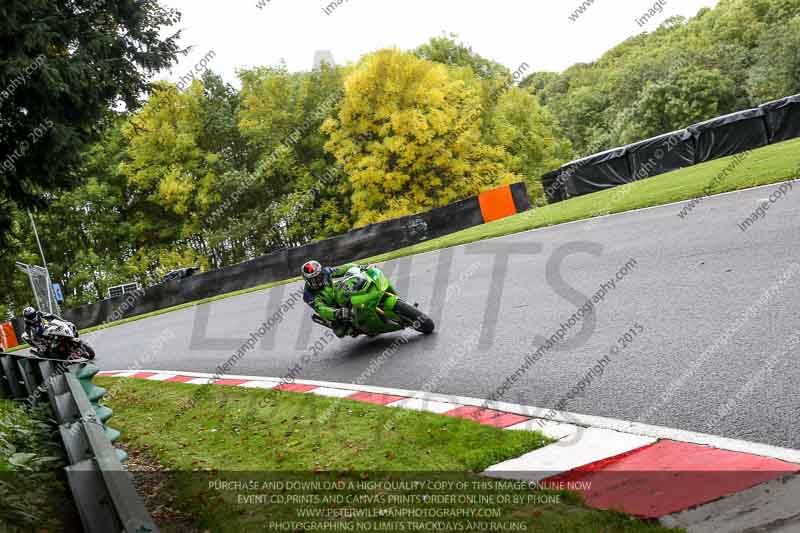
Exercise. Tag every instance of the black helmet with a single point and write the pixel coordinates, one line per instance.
(30, 314)
(312, 273)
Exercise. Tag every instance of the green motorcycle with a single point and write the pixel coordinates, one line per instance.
(375, 304)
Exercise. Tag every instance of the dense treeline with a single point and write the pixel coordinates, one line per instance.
(212, 175)
(738, 55)
(63, 65)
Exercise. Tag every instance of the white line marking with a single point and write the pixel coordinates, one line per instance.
(200, 381)
(594, 445)
(419, 404)
(553, 430)
(331, 393)
(124, 374)
(160, 377)
(259, 384)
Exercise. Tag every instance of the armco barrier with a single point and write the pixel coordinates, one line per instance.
(101, 487)
(361, 243)
(719, 137)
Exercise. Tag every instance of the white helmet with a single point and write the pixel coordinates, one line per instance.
(31, 315)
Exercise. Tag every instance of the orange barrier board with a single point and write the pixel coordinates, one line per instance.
(497, 203)
(8, 339)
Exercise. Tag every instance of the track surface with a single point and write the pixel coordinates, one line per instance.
(719, 308)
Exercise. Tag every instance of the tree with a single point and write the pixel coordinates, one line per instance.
(220, 134)
(171, 174)
(447, 51)
(530, 136)
(581, 114)
(664, 79)
(537, 82)
(63, 65)
(294, 193)
(474, 70)
(408, 135)
(684, 98)
(88, 230)
(86, 233)
(776, 72)
(15, 289)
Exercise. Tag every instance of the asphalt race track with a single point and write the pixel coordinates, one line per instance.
(718, 308)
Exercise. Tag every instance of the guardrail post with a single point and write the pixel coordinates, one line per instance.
(12, 375)
(103, 490)
(29, 378)
(130, 509)
(5, 390)
(102, 412)
(47, 371)
(91, 497)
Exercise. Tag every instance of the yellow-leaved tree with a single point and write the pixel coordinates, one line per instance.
(165, 159)
(169, 178)
(530, 135)
(408, 135)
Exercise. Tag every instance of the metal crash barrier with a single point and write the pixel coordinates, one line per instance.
(101, 487)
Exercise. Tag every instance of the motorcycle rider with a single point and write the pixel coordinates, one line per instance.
(35, 323)
(320, 295)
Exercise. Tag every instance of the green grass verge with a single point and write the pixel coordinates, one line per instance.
(257, 436)
(33, 493)
(764, 166)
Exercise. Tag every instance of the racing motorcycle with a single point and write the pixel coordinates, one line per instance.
(375, 304)
(60, 340)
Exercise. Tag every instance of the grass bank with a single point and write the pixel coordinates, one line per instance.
(33, 493)
(249, 459)
(764, 166)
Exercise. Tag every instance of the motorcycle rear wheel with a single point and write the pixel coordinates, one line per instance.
(424, 323)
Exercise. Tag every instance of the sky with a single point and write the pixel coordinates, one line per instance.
(239, 34)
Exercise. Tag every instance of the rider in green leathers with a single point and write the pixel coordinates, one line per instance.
(320, 295)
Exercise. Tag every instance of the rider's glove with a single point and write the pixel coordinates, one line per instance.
(344, 315)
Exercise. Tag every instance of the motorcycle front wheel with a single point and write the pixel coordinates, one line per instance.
(87, 351)
(416, 319)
